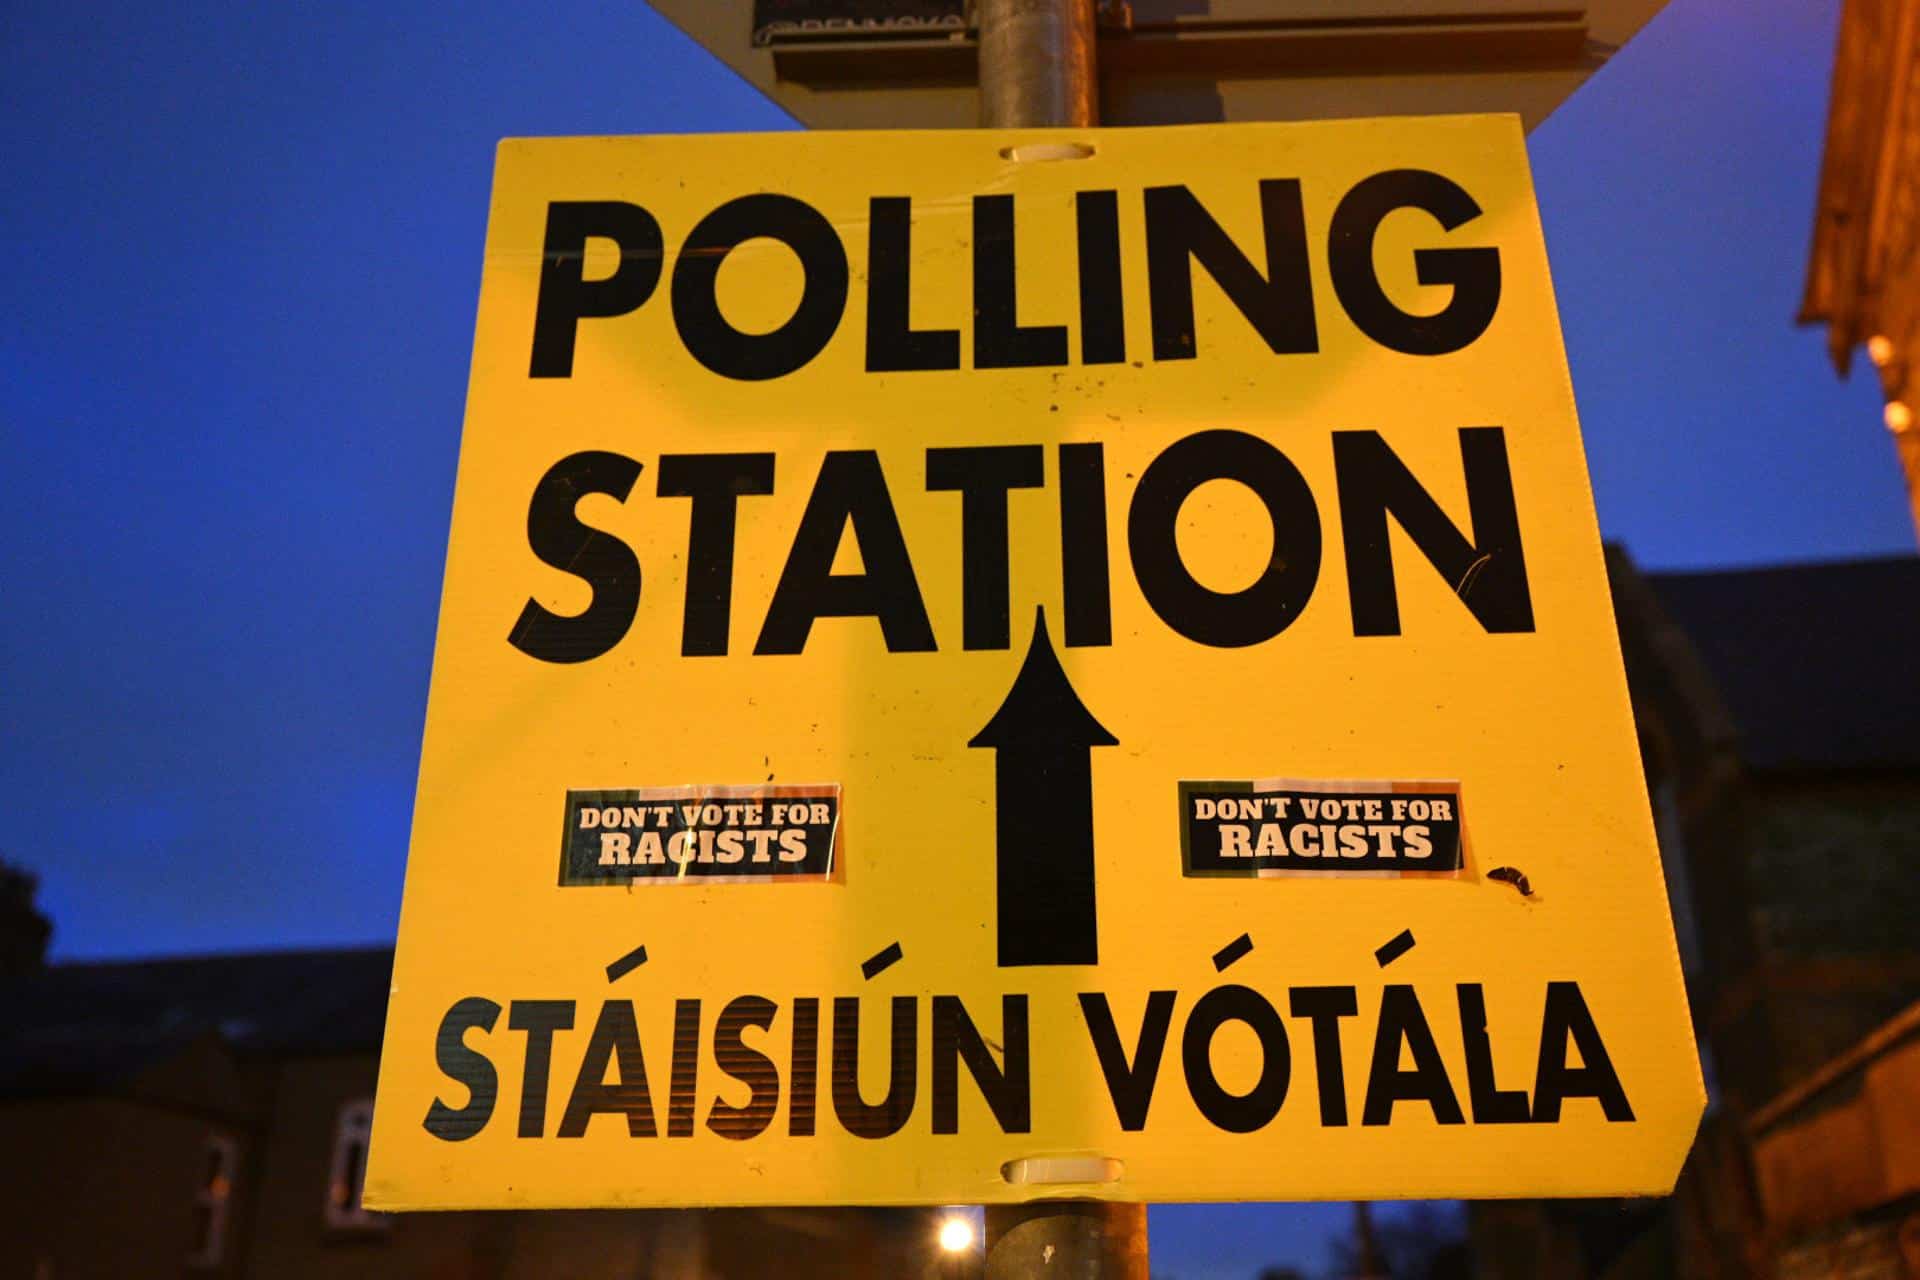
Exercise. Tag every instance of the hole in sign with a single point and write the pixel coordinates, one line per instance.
(1040, 152)
(1033, 1171)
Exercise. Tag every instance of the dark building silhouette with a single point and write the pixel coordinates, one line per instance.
(24, 932)
(1777, 711)
(209, 1116)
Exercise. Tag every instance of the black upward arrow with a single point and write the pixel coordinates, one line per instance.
(1042, 737)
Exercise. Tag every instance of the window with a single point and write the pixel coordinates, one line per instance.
(210, 1200)
(349, 1169)
(1677, 862)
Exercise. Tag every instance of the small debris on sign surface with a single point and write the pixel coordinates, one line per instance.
(1513, 876)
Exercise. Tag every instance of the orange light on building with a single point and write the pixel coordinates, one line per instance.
(1863, 277)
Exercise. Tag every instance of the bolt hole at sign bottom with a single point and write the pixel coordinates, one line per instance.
(1037, 152)
(1041, 1171)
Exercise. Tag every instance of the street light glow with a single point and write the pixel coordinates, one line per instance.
(956, 1235)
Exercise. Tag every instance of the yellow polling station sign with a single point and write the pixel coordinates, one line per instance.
(978, 666)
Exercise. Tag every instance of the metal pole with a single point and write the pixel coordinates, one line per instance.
(1037, 63)
(1068, 1239)
(1037, 68)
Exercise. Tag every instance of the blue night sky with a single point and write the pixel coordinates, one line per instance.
(244, 247)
